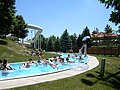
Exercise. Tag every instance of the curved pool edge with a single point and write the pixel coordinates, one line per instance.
(6, 84)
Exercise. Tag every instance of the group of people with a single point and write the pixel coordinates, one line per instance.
(53, 62)
(4, 65)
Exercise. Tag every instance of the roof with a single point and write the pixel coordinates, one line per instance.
(101, 34)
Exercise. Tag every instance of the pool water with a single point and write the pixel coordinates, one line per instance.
(40, 69)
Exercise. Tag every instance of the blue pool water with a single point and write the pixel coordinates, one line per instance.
(40, 69)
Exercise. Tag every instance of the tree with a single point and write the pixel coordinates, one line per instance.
(95, 34)
(43, 42)
(115, 15)
(79, 41)
(57, 45)
(49, 46)
(73, 41)
(51, 43)
(86, 32)
(7, 14)
(20, 30)
(95, 31)
(65, 42)
(108, 31)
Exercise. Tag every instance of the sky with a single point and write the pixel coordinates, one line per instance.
(54, 16)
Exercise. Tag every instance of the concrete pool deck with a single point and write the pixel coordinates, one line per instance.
(7, 84)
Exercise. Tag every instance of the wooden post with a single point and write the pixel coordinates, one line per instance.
(102, 69)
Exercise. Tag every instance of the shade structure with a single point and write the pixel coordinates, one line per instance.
(85, 38)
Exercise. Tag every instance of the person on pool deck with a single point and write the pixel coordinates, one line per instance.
(84, 45)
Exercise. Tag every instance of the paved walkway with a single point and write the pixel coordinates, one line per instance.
(93, 62)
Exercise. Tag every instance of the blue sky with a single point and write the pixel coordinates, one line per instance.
(54, 16)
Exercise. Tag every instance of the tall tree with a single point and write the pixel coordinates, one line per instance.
(73, 41)
(49, 46)
(7, 14)
(43, 42)
(86, 32)
(53, 38)
(95, 31)
(95, 34)
(108, 31)
(65, 42)
(57, 45)
(20, 30)
(115, 15)
(79, 41)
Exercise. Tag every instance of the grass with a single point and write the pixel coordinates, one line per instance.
(16, 53)
(89, 80)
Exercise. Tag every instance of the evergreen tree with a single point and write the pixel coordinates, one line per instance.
(53, 38)
(43, 42)
(108, 31)
(74, 41)
(86, 32)
(95, 35)
(79, 41)
(49, 45)
(7, 14)
(46, 43)
(65, 42)
(95, 31)
(20, 30)
(57, 45)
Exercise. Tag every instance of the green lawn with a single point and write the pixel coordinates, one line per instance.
(89, 80)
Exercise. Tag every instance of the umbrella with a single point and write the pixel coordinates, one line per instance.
(85, 38)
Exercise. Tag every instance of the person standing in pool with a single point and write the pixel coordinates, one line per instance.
(6, 65)
(1, 64)
(84, 45)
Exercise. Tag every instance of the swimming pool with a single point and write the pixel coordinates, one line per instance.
(41, 69)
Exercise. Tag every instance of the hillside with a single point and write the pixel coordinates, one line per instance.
(16, 53)
(12, 51)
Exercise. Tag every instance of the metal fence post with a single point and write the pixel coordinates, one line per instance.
(102, 69)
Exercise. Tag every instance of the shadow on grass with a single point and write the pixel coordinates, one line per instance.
(2, 42)
(110, 79)
(87, 82)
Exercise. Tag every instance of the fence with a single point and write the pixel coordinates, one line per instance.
(104, 51)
